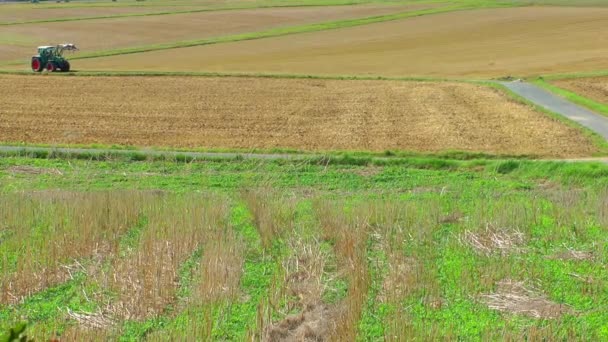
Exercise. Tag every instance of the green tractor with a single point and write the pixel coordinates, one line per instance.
(51, 58)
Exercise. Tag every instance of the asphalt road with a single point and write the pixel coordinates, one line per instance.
(559, 105)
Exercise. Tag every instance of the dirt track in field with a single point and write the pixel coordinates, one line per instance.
(595, 88)
(478, 43)
(91, 35)
(267, 113)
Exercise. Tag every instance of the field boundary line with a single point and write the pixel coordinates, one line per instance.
(101, 73)
(276, 32)
(575, 75)
(571, 96)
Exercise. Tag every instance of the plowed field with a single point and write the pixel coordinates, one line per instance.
(268, 113)
(594, 88)
(19, 41)
(477, 43)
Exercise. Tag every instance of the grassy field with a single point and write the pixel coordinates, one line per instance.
(272, 250)
(266, 113)
(397, 198)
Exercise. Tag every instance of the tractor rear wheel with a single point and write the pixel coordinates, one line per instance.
(50, 66)
(65, 67)
(36, 64)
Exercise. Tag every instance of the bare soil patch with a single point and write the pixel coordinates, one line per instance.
(595, 88)
(246, 113)
(517, 298)
(20, 41)
(477, 43)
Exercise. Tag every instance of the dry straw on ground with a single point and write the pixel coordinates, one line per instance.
(147, 280)
(481, 43)
(304, 288)
(57, 230)
(315, 115)
(595, 88)
(517, 298)
(147, 30)
(491, 241)
(349, 234)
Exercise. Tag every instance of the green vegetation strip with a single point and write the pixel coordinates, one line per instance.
(573, 97)
(555, 77)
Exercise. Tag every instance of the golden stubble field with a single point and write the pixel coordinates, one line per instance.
(595, 88)
(20, 41)
(478, 43)
(246, 113)
(17, 12)
(30, 12)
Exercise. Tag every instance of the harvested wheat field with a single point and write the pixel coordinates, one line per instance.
(19, 41)
(477, 43)
(20, 13)
(193, 112)
(595, 88)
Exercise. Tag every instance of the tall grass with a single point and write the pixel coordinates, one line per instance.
(146, 281)
(349, 235)
(50, 234)
(273, 213)
(396, 265)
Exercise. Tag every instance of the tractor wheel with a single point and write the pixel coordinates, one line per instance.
(36, 64)
(65, 67)
(50, 66)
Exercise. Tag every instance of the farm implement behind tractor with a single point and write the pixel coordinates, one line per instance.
(51, 58)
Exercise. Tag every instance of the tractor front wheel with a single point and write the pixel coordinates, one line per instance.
(36, 64)
(50, 66)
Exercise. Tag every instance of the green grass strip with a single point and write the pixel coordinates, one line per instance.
(373, 317)
(258, 271)
(555, 77)
(595, 106)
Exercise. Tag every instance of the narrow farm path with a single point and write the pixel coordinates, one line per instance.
(561, 106)
(24, 150)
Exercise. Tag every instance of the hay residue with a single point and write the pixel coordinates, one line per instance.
(517, 298)
(304, 287)
(92, 320)
(313, 324)
(494, 241)
(572, 254)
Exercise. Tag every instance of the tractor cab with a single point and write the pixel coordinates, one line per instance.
(51, 58)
